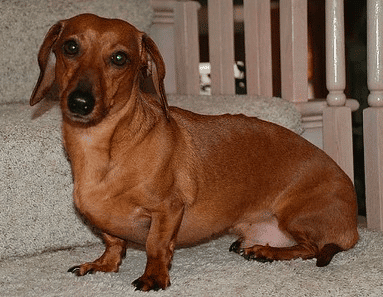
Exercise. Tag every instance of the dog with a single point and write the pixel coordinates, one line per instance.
(162, 177)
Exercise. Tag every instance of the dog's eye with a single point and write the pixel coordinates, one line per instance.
(120, 58)
(71, 48)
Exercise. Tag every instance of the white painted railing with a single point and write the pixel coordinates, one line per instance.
(337, 125)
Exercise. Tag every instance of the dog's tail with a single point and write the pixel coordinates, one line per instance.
(326, 254)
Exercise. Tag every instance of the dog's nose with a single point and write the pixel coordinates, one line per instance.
(81, 103)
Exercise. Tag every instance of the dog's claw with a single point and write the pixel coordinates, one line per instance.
(252, 256)
(151, 283)
(263, 260)
(76, 270)
(140, 286)
(235, 247)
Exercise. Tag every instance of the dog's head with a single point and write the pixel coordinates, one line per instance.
(94, 64)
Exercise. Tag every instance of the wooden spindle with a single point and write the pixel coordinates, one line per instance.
(187, 47)
(335, 53)
(258, 47)
(221, 46)
(337, 122)
(373, 117)
(162, 32)
(293, 30)
(375, 48)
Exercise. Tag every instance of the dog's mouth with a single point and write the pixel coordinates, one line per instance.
(84, 121)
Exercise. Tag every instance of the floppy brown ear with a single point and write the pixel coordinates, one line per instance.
(159, 75)
(47, 63)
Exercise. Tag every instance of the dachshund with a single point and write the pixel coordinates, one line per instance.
(162, 177)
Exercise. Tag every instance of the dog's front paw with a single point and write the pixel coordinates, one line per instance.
(80, 271)
(236, 247)
(257, 253)
(252, 256)
(148, 283)
(90, 268)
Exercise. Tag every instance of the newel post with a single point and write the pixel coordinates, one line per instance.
(373, 117)
(337, 123)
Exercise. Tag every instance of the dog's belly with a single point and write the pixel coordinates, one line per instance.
(134, 227)
(264, 232)
(198, 224)
(255, 230)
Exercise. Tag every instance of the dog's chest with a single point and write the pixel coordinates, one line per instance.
(116, 216)
(110, 191)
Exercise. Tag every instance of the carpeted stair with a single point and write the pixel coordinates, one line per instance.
(41, 233)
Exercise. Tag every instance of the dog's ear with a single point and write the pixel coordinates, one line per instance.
(47, 63)
(157, 72)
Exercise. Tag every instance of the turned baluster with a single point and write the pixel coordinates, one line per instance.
(221, 46)
(337, 123)
(373, 116)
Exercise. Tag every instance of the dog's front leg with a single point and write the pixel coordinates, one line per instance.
(110, 260)
(160, 248)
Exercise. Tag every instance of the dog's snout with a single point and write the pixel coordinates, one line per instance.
(81, 103)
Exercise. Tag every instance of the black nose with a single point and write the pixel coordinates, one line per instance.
(81, 103)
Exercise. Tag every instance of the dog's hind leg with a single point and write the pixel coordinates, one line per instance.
(315, 237)
(304, 249)
(307, 250)
(320, 221)
(110, 260)
(266, 243)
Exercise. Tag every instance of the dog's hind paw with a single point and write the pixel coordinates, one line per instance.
(247, 253)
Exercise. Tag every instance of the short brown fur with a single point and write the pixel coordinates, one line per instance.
(164, 177)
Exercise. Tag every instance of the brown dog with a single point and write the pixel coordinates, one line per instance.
(165, 177)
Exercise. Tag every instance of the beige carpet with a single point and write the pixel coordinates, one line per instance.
(206, 270)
